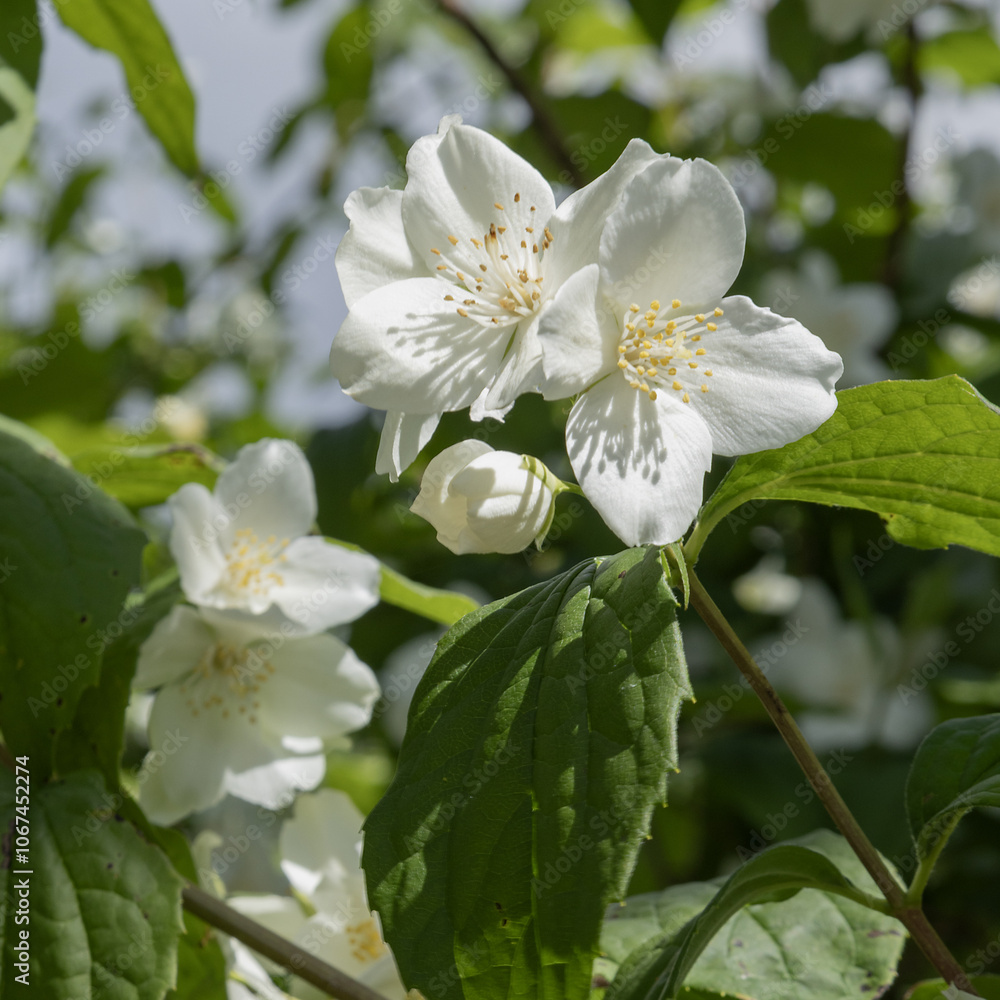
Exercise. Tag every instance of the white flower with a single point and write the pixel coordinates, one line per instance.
(675, 371)
(856, 691)
(767, 589)
(481, 500)
(245, 548)
(446, 280)
(321, 857)
(853, 320)
(242, 712)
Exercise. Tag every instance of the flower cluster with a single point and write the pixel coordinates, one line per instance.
(470, 287)
(248, 675)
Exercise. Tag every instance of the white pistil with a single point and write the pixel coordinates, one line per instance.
(663, 344)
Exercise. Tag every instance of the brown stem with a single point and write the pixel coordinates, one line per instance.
(546, 125)
(911, 916)
(308, 967)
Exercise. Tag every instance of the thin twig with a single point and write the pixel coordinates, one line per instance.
(306, 966)
(912, 916)
(546, 125)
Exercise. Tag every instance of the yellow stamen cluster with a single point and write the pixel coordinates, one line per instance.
(657, 353)
(365, 941)
(227, 678)
(251, 563)
(509, 282)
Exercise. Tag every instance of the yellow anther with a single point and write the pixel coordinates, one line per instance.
(697, 336)
(501, 230)
(622, 348)
(460, 276)
(671, 371)
(468, 302)
(701, 350)
(622, 363)
(671, 325)
(630, 327)
(700, 318)
(711, 327)
(634, 384)
(524, 246)
(633, 308)
(438, 252)
(640, 370)
(528, 229)
(677, 385)
(646, 344)
(708, 371)
(676, 304)
(685, 398)
(534, 248)
(718, 312)
(692, 364)
(655, 305)
(704, 388)
(462, 312)
(517, 197)
(482, 267)
(453, 240)
(651, 372)
(476, 243)
(442, 267)
(652, 394)
(644, 387)
(644, 354)
(498, 206)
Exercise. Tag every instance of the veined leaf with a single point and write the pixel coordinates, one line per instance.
(538, 745)
(925, 456)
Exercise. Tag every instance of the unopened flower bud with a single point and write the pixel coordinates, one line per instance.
(481, 500)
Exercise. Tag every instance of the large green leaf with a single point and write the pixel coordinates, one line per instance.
(105, 905)
(973, 57)
(71, 554)
(987, 987)
(21, 38)
(751, 938)
(143, 475)
(655, 16)
(538, 744)
(955, 769)
(17, 123)
(923, 455)
(130, 30)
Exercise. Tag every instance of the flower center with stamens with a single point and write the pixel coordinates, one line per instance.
(500, 281)
(365, 941)
(228, 679)
(252, 564)
(663, 349)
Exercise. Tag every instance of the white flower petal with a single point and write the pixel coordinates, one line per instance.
(186, 769)
(323, 584)
(455, 180)
(275, 783)
(640, 463)
(678, 233)
(579, 221)
(173, 649)
(375, 249)
(404, 436)
(578, 336)
(199, 520)
(405, 347)
(772, 383)
(319, 688)
(323, 839)
(520, 371)
(271, 488)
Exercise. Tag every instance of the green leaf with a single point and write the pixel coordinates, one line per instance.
(130, 30)
(348, 63)
(17, 129)
(752, 938)
(803, 51)
(143, 475)
(71, 554)
(105, 909)
(443, 606)
(925, 456)
(973, 57)
(537, 747)
(655, 16)
(21, 39)
(956, 768)
(97, 735)
(987, 987)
